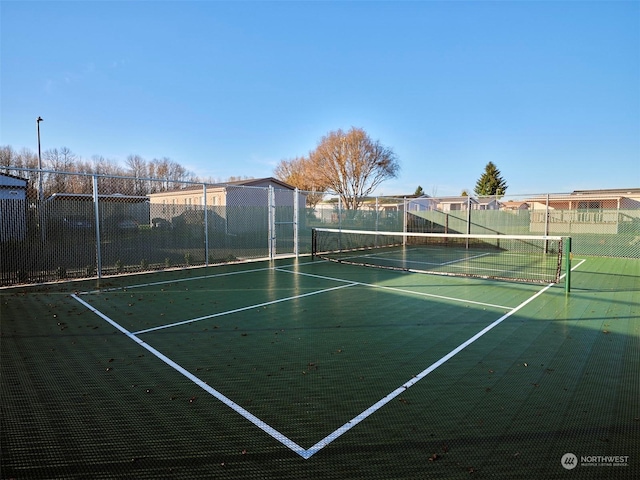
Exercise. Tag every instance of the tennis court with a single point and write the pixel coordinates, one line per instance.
(302, 368)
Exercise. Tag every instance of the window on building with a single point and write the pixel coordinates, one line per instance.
(590, 205)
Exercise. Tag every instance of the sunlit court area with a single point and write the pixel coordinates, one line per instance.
(379, 355)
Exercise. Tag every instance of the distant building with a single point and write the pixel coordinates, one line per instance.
(65, 212)
(13, 208)
(453, 204)
(239, 193)
(421, 203)
(514, 205)
(424, 203)
(488, 203)
(172, 206)
(585, 211)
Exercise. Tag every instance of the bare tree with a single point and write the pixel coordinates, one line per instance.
(82, 183)
(8, 158)
(352, 165)
(62, 160)
(110, 183)
(239, 178)
(138, 169)
(299, 173)
(63, 163)
(170, 172)
(11, 161)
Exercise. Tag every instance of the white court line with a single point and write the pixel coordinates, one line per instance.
(242, 309)
(230, 403)
(396, 289)
(402, 388)
(457, 260)
(188, 279)
(455, 263)
(308, 453)
(177, 280)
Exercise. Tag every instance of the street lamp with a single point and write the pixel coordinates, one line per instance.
(40, 196)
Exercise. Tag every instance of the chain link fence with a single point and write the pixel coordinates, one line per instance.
(60, 226)
(600, 223)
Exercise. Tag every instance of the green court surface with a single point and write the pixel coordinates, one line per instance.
(302, 369)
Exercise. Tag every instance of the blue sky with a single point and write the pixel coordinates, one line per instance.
(548, 91)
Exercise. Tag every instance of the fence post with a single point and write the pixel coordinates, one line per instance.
(546, 225)
(206, 225)
(405, 219)
(468, 220)
(296, 207)
(96, 207)
(271, 212)
(546, 217)
(567, 264)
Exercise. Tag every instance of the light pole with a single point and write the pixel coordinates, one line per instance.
(40, 196)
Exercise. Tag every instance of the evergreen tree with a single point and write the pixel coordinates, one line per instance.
(491, 182)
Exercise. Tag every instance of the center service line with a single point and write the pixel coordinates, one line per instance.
(242, 309)
(308, 453)
(397, 289)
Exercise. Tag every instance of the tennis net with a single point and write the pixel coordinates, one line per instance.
(525, 258)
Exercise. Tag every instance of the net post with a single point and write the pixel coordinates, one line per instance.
(96, 207)
(313, 243)
(296, 216)
(468, 219)
(567, 263)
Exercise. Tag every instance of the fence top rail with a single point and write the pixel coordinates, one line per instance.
(192, 183)
(446, 235)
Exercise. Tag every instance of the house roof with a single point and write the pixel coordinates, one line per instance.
(487, 200)
(587, 195)
(12, 181)
(514, 204)
(459, 199)
(260, 182)
(423, 198)
(252, 182)
(609, 191)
